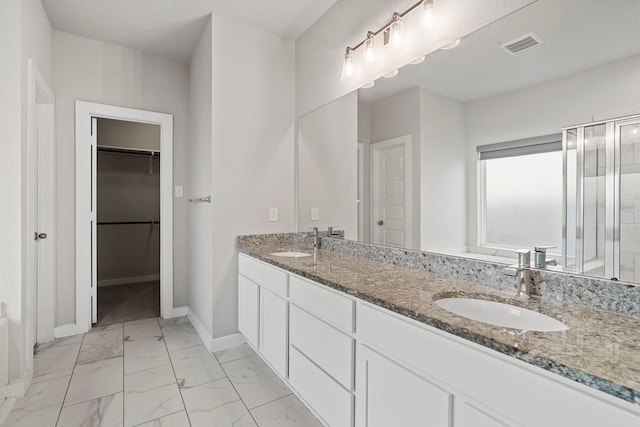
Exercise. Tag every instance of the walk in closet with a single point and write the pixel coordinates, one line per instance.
(128, 220)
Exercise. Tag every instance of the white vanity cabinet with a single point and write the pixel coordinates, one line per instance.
(263, 310)
(356, 364)
(477, 386)
(322, 350)
(248, 309)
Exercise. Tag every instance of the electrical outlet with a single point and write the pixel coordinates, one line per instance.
(315, 214)
(179, 191)
(273, 214)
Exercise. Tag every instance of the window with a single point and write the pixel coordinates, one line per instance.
(521, 194)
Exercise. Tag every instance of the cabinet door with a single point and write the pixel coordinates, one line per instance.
(467, 414)
(248, 309)
(273, 330)
(390, 395)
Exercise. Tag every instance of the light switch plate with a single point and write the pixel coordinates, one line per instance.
(179, 191)
(273, 214)
(315, 214)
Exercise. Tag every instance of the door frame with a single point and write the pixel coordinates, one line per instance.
(85, 177)
(41, 154)
(408, 186)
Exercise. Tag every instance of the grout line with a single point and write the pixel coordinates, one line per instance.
(175, 377)
(241, 399)
(233, 360)
(70, 378)
(159, 418)
(274, 400)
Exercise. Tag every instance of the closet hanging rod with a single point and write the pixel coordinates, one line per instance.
(134, 151)
(152, 222)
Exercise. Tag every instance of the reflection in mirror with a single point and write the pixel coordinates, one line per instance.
(463, 153)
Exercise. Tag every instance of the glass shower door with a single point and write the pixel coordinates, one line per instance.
(602, 199)
(628, 235)
(594, 200)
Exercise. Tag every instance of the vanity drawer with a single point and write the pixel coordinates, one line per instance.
(330, 401)
(329, 348)
(326, 304)
(263, 274)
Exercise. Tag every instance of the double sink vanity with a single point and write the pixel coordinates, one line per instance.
(368, 336)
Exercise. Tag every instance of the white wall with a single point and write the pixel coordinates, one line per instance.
(443, 173)
(327, 166)
(200, 249)
(320, 50)
(95, 71)
(396, 116)
(599, 93)
(253, 114)
(10, 178)
(26, 34)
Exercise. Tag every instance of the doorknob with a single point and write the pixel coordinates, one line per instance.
(39, 236)
(381, 222)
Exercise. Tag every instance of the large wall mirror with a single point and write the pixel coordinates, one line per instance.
(481, 149)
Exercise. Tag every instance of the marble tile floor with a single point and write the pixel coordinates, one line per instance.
(153, 372)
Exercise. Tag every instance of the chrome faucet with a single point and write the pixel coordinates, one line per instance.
(316, 238)
(522, 272)
(540, 257)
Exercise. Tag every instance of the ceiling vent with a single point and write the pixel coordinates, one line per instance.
(522, 43)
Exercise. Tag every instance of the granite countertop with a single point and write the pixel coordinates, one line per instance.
(600, 349)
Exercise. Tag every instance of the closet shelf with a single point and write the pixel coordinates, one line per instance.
(152, 222)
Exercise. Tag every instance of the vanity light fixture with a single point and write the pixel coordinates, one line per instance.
(370, 48)
(427, 17)
(393, 36)
(348, 67)
(369, 85)
(395, 30)
(418, 61)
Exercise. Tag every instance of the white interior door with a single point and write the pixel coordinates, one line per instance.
(40, 217)
(33, 236)
(94, 220)
(390, 198)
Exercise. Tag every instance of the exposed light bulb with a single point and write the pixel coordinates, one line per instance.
(370, 48)
(348, 67)
(396, 31)
(391, 74)
(427, 18)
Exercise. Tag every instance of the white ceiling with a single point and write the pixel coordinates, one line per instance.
(172, 28)
(578, 34)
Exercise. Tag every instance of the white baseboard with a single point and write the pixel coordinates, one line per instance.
(128, 280)
(178, 312)
(66, 330)
(212, 344)
(6, 406)
(202, 331)
(229, 341)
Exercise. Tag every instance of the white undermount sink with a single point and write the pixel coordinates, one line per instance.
(291, 254)
(500, 314)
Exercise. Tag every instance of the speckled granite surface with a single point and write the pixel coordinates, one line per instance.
(601, 349)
